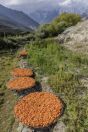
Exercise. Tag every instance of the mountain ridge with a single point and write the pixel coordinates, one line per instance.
(43, 10)
(16, 19)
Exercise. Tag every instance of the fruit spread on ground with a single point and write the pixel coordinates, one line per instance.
(21, 83)
(23, 53)
(39, 109)
(22, 72)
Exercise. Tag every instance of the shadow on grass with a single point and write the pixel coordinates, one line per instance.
(37, 88)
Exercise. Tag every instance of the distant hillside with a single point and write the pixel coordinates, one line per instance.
(44, 16)
(7, 25)
(15, 20)
(42, 11)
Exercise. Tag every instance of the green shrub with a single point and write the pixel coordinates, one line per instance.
(69, 18)
(45, 31)
(58, 25)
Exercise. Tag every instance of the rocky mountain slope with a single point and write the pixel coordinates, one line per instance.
(44, 11)
(15, 19)
(76, 38)
(44, 15)
(41, 11)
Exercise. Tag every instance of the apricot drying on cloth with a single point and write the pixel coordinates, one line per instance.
(22, 72)
(39, 109)
(21, 83)
(23, 53)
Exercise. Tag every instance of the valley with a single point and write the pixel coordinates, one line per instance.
(57, 53)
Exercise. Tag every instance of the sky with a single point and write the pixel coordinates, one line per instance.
(18, 2)
(22, 3)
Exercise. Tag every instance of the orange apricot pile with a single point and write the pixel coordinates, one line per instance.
(22, 72)
(21, 83)
(39, 109)
(23, 53)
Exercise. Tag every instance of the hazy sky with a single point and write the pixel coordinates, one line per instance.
(18, 2)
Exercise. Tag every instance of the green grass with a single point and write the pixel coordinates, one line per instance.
(65, 70)
(7, 99)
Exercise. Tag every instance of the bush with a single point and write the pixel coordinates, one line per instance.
(58, 25)
(69, 18)
(5, 43)
(45, 31)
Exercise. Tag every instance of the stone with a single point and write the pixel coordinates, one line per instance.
(84, 82)
(59, 127)
(23, 64)
(46, 87)
(25, 129)
(20, 127)
(45, 79)
(75, 38)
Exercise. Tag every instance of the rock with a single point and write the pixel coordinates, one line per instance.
(60, 127)
(45, 79)
(23, 128)
(75, 38)
(20, 128)
(27, 130)
(84, 82)
(23, 64)
(45, 86)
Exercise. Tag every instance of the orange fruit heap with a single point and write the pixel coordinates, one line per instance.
(38, 110)
(22, 72)
(23, 53)
(21, 83)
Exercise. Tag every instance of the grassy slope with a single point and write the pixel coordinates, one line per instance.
(14, 42)
(7, 99)
(7, 62)
(65, 70)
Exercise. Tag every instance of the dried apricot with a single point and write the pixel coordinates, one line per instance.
(38, 109)
(22, 72)
(21, 83)
(23, 53)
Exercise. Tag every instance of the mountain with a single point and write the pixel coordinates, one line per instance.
(75, 38)
(51, 10)
(44, 16)
(16, 20)
(43, 11)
